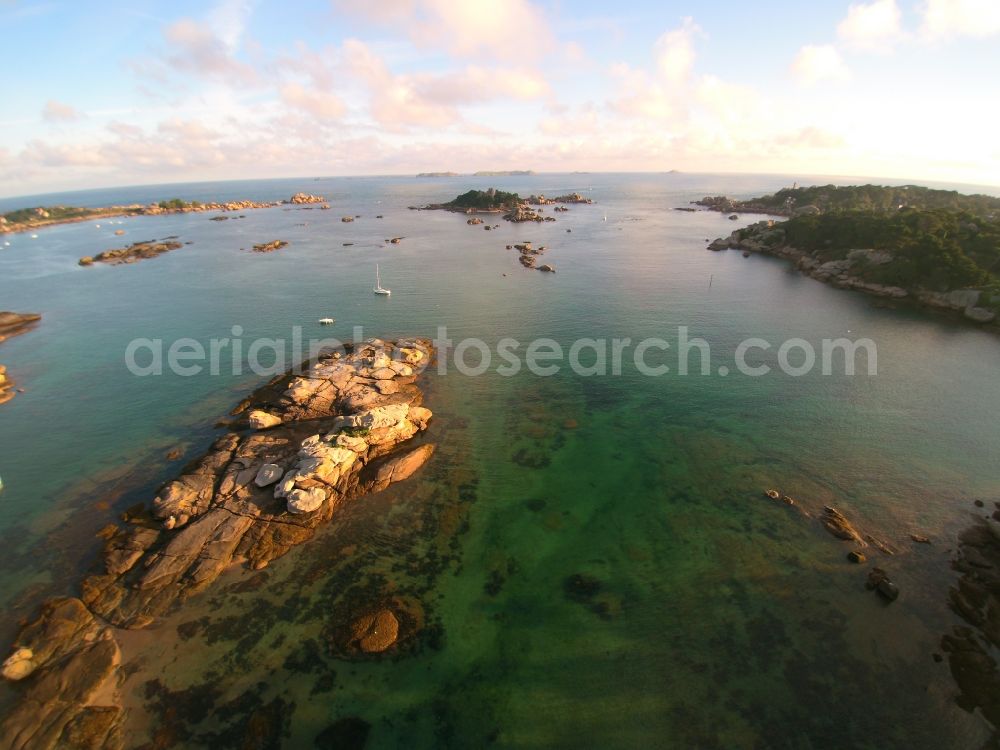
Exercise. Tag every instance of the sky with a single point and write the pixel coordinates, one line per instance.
(115, 93)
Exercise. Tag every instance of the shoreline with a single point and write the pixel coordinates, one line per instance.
(299, 446)
(43, 219)
(958, 305)
(13, 324)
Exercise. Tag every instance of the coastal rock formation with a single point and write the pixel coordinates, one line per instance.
(269, 247)
(133, 253)
(338, 428)
(768, 237)
(528, 255)
(331, 435)
(12, 324)
(300, 198)
(837, 524)
(521, 213)
(68, 661)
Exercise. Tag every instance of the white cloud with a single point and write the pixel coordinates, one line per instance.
(873, 26)
(424, 100)
(58, 112)
(196, 49)
(663, 93)
(943, 19)
(228, 21)
(818, 63)
(675, 52)
(502, 29)
(319, 104)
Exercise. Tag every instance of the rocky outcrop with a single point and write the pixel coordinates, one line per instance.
(522, 213)
(69, 664)
(133, 253)
(269, 247)
(13, 324)
(837, 524)
(338, 431)
(331, 434)
(572, 198)
(301, 198)
(528, 255)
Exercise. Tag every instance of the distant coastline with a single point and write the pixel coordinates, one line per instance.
(37, 217)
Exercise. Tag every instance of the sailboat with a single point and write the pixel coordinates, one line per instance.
(378, 284)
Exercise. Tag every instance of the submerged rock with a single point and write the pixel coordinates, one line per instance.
(131, 254)
(269, 247)
(374, 633)
(837, 524)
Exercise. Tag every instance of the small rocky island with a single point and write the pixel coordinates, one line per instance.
(133, 253)
(512, 207)
(13, 324)
(302, 446)
(941, 258)
(528, 256)
(269, 247)
(306, 198)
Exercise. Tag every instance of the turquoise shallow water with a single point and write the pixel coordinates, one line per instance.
(591, 556)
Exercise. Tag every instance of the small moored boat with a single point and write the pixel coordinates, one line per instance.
(378, 284)
(326, 321)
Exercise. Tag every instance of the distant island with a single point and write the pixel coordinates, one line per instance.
(508, 173)
(25, 219)
(938, 248)
(484, 173)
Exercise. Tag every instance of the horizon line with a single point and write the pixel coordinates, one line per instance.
(533, 173)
